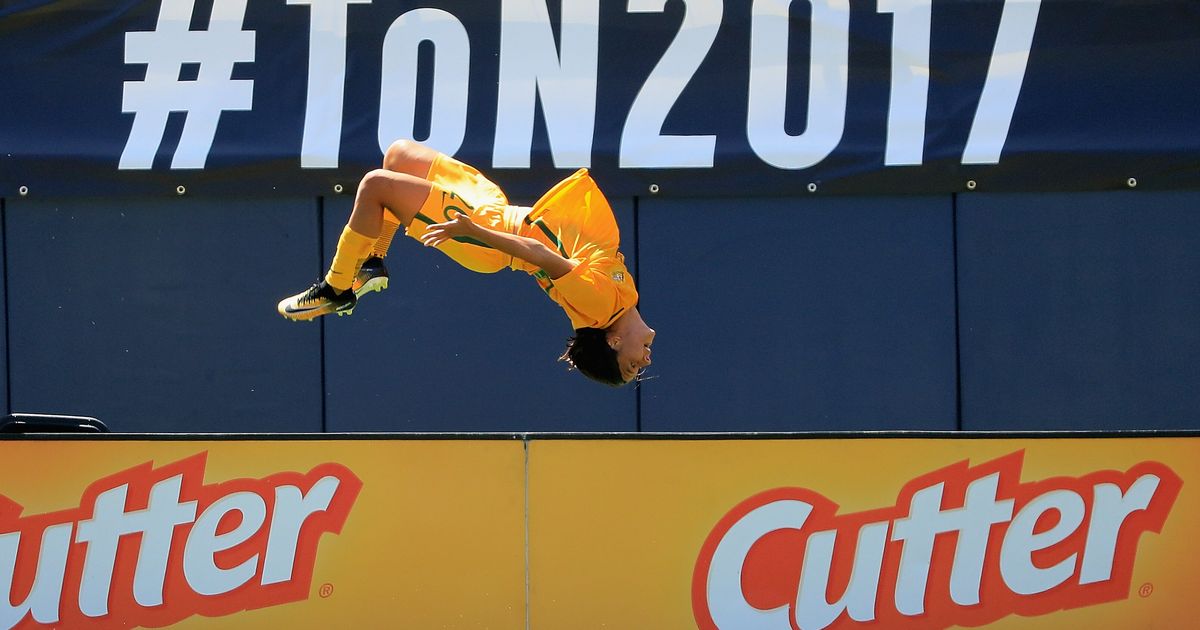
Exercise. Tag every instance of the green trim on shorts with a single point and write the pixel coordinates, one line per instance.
(461, 239)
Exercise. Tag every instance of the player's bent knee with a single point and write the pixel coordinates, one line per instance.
(373, 183)
(408, 156)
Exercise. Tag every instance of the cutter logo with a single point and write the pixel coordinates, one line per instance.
(150, 546)
(962, 546)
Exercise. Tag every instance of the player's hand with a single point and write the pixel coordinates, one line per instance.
(438, 233)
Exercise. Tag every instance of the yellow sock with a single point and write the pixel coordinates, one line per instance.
(352, 250)
(385, 236)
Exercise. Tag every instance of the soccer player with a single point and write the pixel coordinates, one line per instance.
(567, 241)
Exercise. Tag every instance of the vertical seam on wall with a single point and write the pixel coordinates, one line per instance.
(528, 602)
(321, 320)
(7, 317)
(637, 273)
(958, 399)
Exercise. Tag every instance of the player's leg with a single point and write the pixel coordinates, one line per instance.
(410, 158)
(380, 192)
(403, 156)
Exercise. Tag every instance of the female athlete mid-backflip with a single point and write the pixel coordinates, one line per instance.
(567, 241)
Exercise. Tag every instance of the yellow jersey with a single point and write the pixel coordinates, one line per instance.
(572, 218)
(576, 220)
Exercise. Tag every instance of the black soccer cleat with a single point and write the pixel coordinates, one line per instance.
(372, 276)
(319, 299)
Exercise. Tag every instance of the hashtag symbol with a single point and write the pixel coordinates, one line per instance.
(164, 51)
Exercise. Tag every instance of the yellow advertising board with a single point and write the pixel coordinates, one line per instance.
(263, 534)
(895, 532)
(864, 533)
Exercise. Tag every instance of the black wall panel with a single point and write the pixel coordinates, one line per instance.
(4, 407)
(799, 314)
(1080, 311)
(1075, 311)
(447, 349)
(159, 314)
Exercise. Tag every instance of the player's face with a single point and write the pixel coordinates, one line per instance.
(634, 354)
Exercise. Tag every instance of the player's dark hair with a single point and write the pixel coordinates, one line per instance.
(588, 351)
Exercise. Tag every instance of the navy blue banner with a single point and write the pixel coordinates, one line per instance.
(682, 98)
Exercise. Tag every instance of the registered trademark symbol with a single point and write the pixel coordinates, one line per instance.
(326, 590)
(1147, 590)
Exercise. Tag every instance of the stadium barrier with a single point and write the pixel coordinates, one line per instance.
(600, 531)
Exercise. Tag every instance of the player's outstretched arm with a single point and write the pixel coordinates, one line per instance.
(527, 249)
